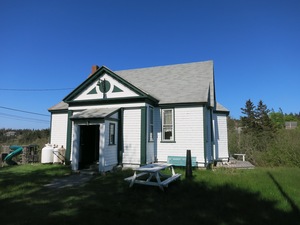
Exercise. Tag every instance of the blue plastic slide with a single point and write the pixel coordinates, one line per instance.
(16, 151)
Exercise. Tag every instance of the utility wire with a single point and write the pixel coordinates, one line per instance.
(5, 115)
(43, 89)
(18, 110)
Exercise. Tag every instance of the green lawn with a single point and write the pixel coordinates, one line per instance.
(223, 196)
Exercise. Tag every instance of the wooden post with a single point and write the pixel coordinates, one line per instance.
(188, 167)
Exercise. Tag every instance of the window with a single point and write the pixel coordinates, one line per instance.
(167, 125)
(151, 132)
(112, 133)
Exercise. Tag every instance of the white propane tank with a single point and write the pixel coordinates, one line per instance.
(56, 155)
(62, 152)
(47, 154)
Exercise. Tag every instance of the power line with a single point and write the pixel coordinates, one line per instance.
(32, 89)
(5, 115)
(18, 110)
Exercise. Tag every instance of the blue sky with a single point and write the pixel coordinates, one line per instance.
(255, 46)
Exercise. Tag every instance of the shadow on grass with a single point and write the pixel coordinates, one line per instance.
(293, 205)
(109, 200)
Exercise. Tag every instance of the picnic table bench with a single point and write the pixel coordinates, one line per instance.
(243, 155)
(152, 175)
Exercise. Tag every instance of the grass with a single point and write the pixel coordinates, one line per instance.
(224, 196)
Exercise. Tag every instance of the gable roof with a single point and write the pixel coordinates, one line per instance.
(98, 74)
(170, 84)
(180, 83)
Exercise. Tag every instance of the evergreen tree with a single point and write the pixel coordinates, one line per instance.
(263, 121)
(256, 119)
(248, 121)
(258, 126)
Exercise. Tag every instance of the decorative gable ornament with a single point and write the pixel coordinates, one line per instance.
(105, 86)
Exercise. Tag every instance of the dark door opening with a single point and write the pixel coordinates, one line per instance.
(89, 145)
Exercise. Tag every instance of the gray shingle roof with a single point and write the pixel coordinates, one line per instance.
(180, 83)
(59, 106)
(95, 113)
(221, 108)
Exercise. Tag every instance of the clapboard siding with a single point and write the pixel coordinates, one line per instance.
(110, 151)
(150, 152)
(132, 136)
(59, 122)
(221, 137)
(188, 134)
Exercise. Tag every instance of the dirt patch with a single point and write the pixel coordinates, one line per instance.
(70, 181)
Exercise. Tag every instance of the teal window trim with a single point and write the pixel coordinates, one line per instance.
(120, 136)
(143, 136)
(168, 141)
(69, 139)
(168, 125)
(205, 135)
(151, 125)
(112, 133)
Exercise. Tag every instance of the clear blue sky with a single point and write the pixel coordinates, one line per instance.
(255, 46)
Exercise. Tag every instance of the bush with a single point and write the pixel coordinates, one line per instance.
(280, 149)
(285, 150)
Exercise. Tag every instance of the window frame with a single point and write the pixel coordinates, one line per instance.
(112, 134)
(151, 124)
(172, 139)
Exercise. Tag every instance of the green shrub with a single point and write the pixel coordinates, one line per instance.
(283, 149)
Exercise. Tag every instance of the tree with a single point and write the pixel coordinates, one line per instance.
(277, 118)
(263, 137)
(248, 121)
(233, 126)
(256, 119)
(263, 121)
(258, 128)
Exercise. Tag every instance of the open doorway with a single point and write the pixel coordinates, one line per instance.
(89, 145)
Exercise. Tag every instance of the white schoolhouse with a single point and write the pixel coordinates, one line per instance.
(140, 116)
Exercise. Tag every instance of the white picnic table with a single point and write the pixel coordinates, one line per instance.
(151, 175)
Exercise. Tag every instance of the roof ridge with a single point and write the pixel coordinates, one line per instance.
(165, 66)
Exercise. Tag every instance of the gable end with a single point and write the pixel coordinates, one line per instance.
(104, 85)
